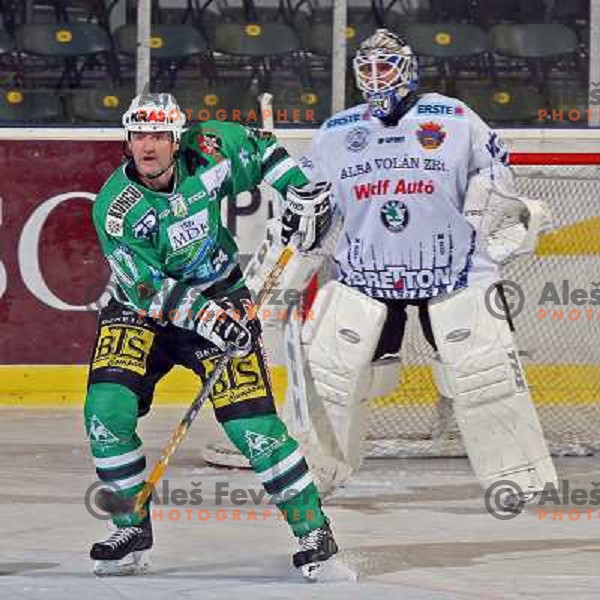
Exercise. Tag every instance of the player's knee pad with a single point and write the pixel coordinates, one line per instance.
(486, 380)
(251, 435)
(111, 413)
(340, 341)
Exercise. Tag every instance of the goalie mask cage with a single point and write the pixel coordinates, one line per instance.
(559, 342)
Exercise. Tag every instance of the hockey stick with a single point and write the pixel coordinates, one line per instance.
(108, 500)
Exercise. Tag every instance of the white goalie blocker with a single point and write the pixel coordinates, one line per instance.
(478, 363)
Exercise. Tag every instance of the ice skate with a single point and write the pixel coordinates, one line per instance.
(316, 547)
(125, 552)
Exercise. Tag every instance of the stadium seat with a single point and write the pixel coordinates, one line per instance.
(173, 47)
(447, 40)
(505, 103)
(25, 107)
(538, 48)
(541, 40)
(98, 105)
(8, 56)
(317, 38)
(357, 15)
(450, 49)
(568, 96)
(258, 48)
(218, 100)
(249, 13)
(75, 47)
(300, 105)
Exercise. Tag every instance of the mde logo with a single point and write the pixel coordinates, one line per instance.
(431, 135)
(440, 109)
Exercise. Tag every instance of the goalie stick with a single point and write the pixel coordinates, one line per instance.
(109, 500)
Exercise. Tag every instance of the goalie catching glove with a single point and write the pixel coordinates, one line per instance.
(224, 328)
(508, 224)
(307, 211)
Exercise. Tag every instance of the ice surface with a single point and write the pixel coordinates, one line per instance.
(413, 529)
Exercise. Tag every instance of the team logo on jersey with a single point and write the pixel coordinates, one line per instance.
(261, 445)
(394, 216)
(146, 226)
(358, 139)
(100, 433)
(178, 205)
(209, 143)
(431, 135)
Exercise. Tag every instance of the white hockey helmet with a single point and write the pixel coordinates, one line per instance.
(154, 112)
(386, 70)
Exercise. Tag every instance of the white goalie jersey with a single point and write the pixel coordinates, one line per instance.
(400, 191)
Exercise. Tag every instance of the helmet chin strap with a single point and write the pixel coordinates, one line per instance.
(161, 171)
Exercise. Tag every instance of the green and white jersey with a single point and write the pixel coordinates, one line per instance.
(166, 248)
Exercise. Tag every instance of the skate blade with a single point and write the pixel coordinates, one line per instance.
(330, 571)
(136, 563)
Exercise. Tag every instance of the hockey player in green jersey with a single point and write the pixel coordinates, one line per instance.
(177, 297)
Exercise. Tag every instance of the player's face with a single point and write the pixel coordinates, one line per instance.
(383, 72)
(152, 151)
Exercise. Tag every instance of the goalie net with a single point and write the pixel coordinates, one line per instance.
(558, 342)
(560, 348)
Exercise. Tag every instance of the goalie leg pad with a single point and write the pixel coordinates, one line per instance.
(495, 413)
(341, 339)
(446, 427)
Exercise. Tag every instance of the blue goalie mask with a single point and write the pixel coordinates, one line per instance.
(386, 71)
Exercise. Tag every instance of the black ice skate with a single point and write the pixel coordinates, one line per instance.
(316, 547)
(125, 552)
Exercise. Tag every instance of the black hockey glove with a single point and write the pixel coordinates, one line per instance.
(308, 212)
(226, 328)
